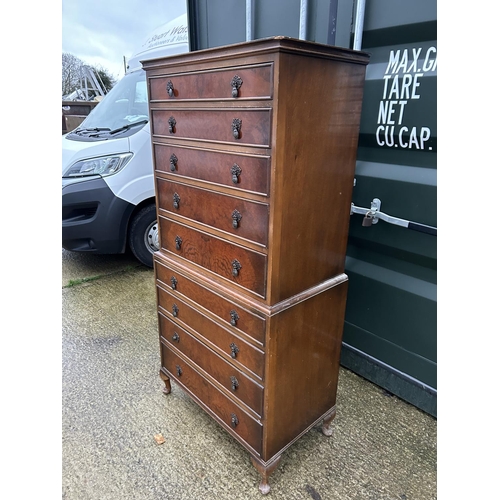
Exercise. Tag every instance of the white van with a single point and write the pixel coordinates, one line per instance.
(108, 197)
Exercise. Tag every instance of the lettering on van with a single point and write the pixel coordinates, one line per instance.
(402, 80)
(172, 35)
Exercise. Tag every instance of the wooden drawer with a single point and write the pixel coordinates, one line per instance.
(249, 173)
(233, 315)
(242, 386)
(231, 347)
(250, 126)
(229, 413)
(243, 218)
(246, 82)
(233, 262)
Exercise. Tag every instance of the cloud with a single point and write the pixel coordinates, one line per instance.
(103, 33)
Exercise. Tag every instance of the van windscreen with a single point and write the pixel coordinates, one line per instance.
(126, 103)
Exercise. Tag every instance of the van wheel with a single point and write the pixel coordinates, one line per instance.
(143, 235)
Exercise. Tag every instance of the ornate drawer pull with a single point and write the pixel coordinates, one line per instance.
(173, 162)
(236, 216)
(234, 420)
(236, 267)
(234, 317)
(236, 128)
(177, 200)
(175, 310)
(175, 337)
(171, 125)
(236, 172)
(236, 83)
(170, 88)
(179, 370)
(178, 242)
(234, 383)
(234, 349)
(173, 282)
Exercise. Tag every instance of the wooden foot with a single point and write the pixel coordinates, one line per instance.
(265, 471)
(166, 379)
(327, 430)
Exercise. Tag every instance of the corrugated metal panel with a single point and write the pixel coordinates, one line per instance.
(221, 22)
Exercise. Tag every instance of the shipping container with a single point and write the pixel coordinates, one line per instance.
(390, 331)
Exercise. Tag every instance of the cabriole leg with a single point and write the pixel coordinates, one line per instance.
(265, 471)
(166, 379)
(327, 430)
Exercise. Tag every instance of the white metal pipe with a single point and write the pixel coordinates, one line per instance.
(249, 20)
(303, 20)
(358, 24)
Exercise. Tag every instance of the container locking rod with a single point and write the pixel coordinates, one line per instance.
(375, 214)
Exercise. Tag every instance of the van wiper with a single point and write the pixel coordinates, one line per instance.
(126, 127)
(95, 129)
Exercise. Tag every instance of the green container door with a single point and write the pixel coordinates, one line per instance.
(390, 327)
(391, 319)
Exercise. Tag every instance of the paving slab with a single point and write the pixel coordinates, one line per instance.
(113, 407)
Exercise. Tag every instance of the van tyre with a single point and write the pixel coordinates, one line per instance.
(143, 235)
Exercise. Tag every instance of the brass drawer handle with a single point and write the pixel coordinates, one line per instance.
(234, 317)
(170, 88)
(171, 125)
(178, 242)
(179, 370)
(175, 310)
(234, 383)
(173, 282)
(236, 128)
(236, 216)
(175, 337)
(234, 349)
(236, 267)
(234, 420)
(235, 173)
(236, 83)
(173, 162)
(177, 200)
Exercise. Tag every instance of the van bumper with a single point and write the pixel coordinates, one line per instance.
(93, 218)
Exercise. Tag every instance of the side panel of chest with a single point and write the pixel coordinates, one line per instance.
(317, 127)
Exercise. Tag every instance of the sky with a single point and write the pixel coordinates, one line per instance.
(101, 33)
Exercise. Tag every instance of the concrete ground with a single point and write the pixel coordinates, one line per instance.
(113, 406)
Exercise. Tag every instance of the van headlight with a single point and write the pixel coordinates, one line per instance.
(102, 165)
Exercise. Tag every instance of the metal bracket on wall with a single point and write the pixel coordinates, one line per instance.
(373, 214)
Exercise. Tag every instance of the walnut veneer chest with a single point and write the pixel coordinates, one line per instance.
(254, 149)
